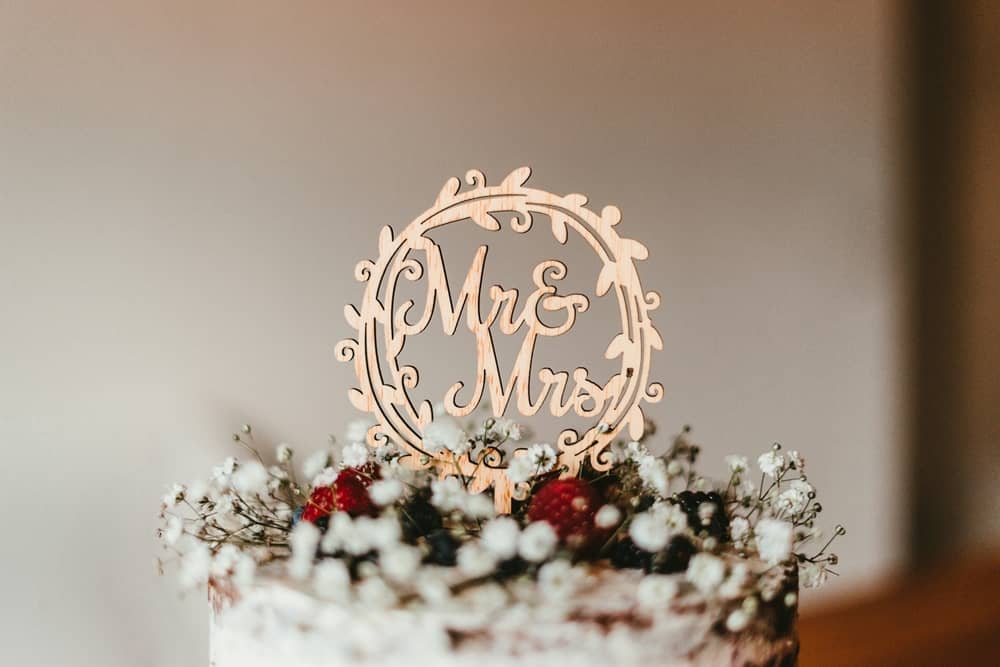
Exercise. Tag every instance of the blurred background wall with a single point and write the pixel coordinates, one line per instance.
(185, 188)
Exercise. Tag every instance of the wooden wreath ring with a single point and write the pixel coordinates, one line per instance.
(379, 320)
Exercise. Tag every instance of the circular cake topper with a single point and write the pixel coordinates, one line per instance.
(383, 325)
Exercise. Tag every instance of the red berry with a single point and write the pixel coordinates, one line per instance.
(569, 506)
(320, 503)
(348, 493)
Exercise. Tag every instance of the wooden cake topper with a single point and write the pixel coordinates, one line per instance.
(382, 326)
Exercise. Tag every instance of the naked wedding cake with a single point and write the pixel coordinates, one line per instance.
(442, 534)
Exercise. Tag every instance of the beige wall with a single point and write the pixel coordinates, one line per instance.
(184, 189)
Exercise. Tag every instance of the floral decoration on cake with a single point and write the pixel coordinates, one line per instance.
(364, 528)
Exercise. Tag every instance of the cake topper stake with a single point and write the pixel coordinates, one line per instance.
(382, 326)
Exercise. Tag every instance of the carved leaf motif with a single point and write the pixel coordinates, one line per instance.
(559, 228)
(516, 178)
(486, 221)
(385, 240)
(636, 422)
(611, 215)
(616, 347)
(358, 399)
(352, 316)
(606, 278)
(449, 190)
(655, 340)
(633, 249)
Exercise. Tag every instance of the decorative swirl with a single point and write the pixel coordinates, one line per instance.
(363, 270)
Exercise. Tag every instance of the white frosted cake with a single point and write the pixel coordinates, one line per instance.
(611, 617)
(441, 536)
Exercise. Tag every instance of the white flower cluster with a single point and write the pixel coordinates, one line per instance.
(221, 529)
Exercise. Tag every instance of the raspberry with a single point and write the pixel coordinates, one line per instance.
(348, 493)
(351, 492)
(320, 503)
(569, 506)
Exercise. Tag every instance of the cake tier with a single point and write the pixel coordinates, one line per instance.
(600, 623)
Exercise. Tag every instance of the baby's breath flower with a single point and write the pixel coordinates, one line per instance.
(771, 462)
(385, 491)
(445, 433)
(250, 478)
(447, 494)
(792, 500)
(649, 532)
(812, 575)
(607, 517)
(173, 530)
(653, 472)
(316, 462)
(326, 477)
(283, 453)
(222, 473)
(706, 572)
(303, 540)
(174, 496)
(479, 506)
(774, 539)
(559, 579)
(520, 470)
(332, 580)
(382, 533)
(375, 593)
(797, 460)
(542, 457)
(499, 537)
(357, 429)
(739, 527)
(537, 542)
(354, 455)
(400, 563)
(196, 564)
(475, 561)
(737, 464)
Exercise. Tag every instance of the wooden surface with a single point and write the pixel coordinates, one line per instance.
(943, 618)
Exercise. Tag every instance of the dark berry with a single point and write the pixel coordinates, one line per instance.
(691, 502)
(418, 517)
(675, 557)
(626, 555)
(443, 547)
(511, 568)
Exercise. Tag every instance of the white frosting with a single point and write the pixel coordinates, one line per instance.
(274, 623)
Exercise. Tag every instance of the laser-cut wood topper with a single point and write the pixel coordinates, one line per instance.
(382, 327)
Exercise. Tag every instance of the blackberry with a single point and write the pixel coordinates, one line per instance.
(443, 547)
(511, 568)
(626, 555)
(691, 502)
(675, 557)
(419, 517)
